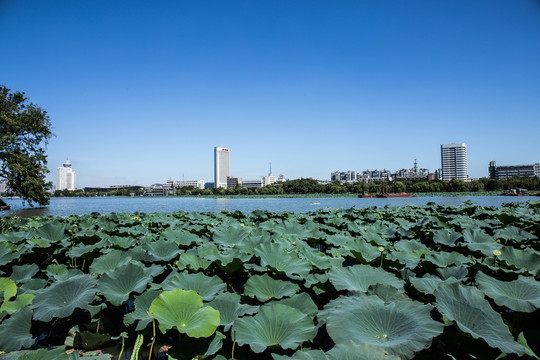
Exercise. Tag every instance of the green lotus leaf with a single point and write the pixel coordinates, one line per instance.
(522, 294)
(514, 234)
(282, 261)
(122, 242)
(444, 259)
(191, 259)
(362, 250)
(478, 240)
(302, 302)
(274, 324)
(206, 286)
(116, 285)
(142, 308)
(62, 298)
(474, 315)
(521, 259)
(429, 283)
(13, 306)
(180, 237)
(387, 293)
(361, 277)
(56, 269)
(400, 328)
(230, 259)
(13, 237)
(109, 262)
(7, 255)
(230, 308)
(350, 351)
(40, 354)
(319, 259)
(52, 232)
(231, 235)
(293, 228)
(184, 311)
(15, 331)
(8, 288)
(163, 250)
(23, 273)
(446, 237)
(265, 288)
(408, 253)
(457, 272)
(33, 285)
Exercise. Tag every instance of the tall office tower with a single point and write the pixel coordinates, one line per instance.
(221, 166)
(454, 161)
(66, 177)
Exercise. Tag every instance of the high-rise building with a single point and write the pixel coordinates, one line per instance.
(454, 161)
(221, 166)
(66, 177)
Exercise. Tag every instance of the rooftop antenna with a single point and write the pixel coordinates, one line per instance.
(270, 168)
(415, 165)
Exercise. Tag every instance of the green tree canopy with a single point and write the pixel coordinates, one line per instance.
(25, 130)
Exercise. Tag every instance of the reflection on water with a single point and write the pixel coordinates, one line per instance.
(106, 205)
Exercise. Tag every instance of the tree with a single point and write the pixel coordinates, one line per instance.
(25, 130)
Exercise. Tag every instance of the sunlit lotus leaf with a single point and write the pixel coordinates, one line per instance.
(142, 308)
(191, 259)
(163, 250)
(15, 305)
(15, 331)
(445, 237)
(265, 288)
(52, 232)
(274, 324)
(302, 302)
(184, 311)
(350, 351)
(206, 286)
(8, 288)
(522, 294)
(429, 283)
(62, 298)
(231, 235)
(230, 308)
(444, 259)
(362, 250)
(109, 262)
(458, 272)
(474, 315)
(180, 237)
(521, 259)
(7, 255)
(339, 239)
(401, 328)
(122, 242)
(117, 284)
(277, 258)
(361, 277)
(23, 273)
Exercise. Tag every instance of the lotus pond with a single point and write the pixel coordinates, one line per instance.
(422, 282)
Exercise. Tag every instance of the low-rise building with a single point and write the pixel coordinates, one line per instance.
(510, 171)
(199, 184)
(233, 182)
(252, 183)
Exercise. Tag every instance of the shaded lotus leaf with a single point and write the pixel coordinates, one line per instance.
(52, 232)
(163, 250)
(313, 279)
(446, 237)
(339, 239)
(277, 258)
(522, 294)
(361, 277)
(7, 255)
(82, 249)
(387, 293)
(142, 308)
(444, 259)
(521, 259)
(230, 259)
(15, 331)
(196, 348)
(191, 259)
(13, 237)
(474, 315)
(458, 272)
(293, 228)
(265, 288)
(56, 269)
(33, 285)
(429, 283)
(478, 240)
(274, 324)
(319, 259)
(91, 340)
(514, 234)
(152, 270)
(67, 274)
(231, 235)
(230, 308)
(362, 250)
(8, 288)
(40, 354)
(400, 328)
(184, 311)
(206, 286)
(408, 253)
(62, 298)
(302, 302)
(13, 306)
(109, 262)
(117, 284)
(179, 237)
(121, 242)
(23, 273)
(350, 351)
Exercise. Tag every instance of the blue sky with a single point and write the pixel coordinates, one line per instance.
(139, 92)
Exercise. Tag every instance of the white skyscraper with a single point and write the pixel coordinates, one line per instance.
(66, 177)
(221, 166)
(454, 161)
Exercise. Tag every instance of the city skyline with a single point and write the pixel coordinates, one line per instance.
(142, 93)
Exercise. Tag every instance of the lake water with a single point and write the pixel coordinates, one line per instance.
(105, 205)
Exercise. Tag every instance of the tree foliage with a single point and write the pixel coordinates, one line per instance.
(25, 130)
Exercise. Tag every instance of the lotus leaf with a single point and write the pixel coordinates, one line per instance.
(265, 288)
(429, 283)
(191, 259)
(196, 348)
(361, 277)
(52, 232)
(8, 288)
(458, 272)
(117, 284)
(275, 324)
(6, 255)
(109, 262)
(40, 354)
(15, 331)
(387, 293)
(362, 250)
(33, 285)
(522, 294)
(122, 242)
(400, 328)
(514, 234)
(163, 250)
(184, 311)
(478, 240)
(521, 259)
(302, 302)
(13, 306)
(142, 308)
(473, 314)
(180, 237)
(444, 259)
(62, 298)
(231, 235)
(279, 259)
(350, 351)
(446, 237)
(23, 273)
(230, 308)
(206, 286)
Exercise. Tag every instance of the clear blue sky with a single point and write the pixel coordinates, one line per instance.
(141, 91)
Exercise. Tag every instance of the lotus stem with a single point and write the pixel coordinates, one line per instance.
(121, 350)
(153, 338)
(82, 267)
(233, 344)
(137, 347)
(97, 330)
